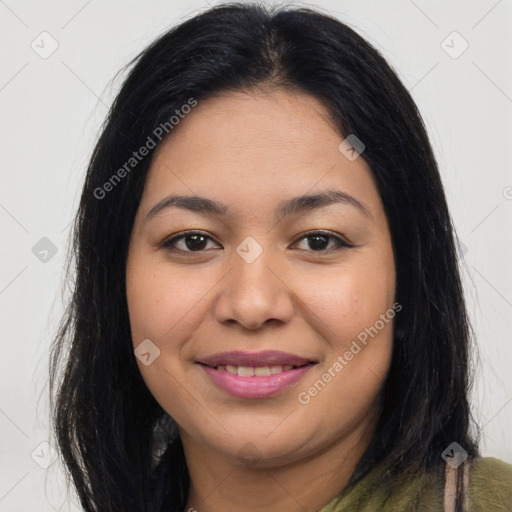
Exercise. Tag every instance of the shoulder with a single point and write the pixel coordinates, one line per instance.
(491, 467)
(490, 485)
(489, 490)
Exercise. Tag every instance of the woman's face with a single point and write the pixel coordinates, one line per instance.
(258, 286)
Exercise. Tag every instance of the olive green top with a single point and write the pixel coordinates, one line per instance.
(489, 490)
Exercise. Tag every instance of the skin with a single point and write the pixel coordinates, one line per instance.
(250, 151)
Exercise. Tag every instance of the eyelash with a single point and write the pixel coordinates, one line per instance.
(341, 243)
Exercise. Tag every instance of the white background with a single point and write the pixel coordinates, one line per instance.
(51, 110)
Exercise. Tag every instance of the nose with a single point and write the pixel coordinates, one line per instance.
(254, 293)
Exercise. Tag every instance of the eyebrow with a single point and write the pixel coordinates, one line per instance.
(288, 207)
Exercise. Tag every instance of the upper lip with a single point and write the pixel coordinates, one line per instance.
(264, 358)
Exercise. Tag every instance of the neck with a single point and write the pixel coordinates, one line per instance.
(219, 483)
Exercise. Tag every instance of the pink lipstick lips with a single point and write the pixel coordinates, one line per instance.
(256, 374)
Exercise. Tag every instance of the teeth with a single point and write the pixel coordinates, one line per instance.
(230, 368)
(245, 371)
(259, 371)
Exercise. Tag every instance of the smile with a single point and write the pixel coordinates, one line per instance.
(258, 371)
(254, 382)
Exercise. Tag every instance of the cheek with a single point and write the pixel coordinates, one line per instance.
(348, 300)
(144, 298)
(355, 313)
(162, 306)
(166, 302)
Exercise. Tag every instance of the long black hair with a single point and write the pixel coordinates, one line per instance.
(119, 446)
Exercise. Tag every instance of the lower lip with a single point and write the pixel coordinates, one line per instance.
(255, 387)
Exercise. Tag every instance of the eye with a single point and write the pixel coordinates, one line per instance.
(320, 239)
(195, 241)
(192, 241)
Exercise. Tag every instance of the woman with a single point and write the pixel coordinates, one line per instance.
(268, 312)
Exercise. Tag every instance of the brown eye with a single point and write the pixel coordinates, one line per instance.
(189, 242)
(194, 241)
(319, 241)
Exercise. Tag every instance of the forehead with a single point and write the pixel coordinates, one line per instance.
(255, 148)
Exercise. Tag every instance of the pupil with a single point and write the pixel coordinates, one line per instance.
(316, 238)
(197, 243)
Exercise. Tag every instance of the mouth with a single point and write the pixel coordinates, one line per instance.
(260, 364)
(257, 371)
(255, 375)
